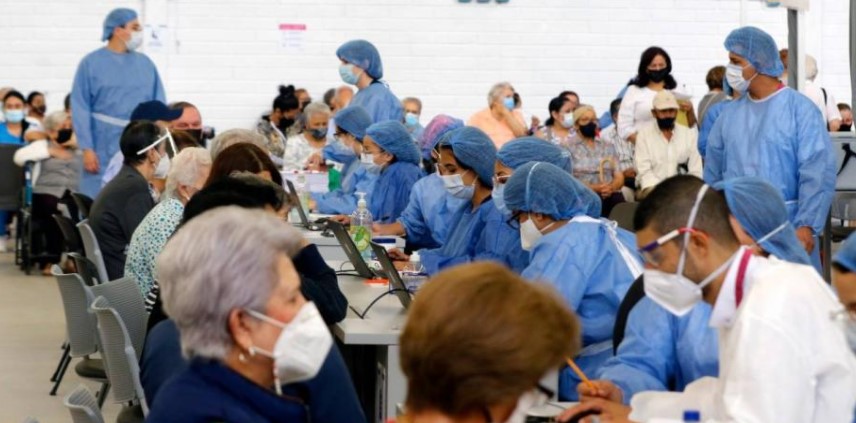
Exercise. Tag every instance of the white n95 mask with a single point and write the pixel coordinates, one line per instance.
(454, 185)
(734, 76)
(530, 234)
(135, 42)
(301, 347)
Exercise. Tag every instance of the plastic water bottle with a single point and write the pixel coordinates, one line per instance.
(692, 416)
(361, 227)
(414, 274)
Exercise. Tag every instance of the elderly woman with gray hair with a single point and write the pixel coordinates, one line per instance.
(500, 121)
(304, 150)
(188, 172)
(233, 292)
(56, 171)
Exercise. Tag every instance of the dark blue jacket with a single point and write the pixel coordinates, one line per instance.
(330, 396)
(208, 391)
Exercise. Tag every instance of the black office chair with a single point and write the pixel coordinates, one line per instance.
(84, 204)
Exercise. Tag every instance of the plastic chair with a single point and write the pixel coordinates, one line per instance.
(86, 269)
(122, 358)
(83, 406)
(84, 204)
(70, 235)
(623, 213)
(93, 251)
(843, 210)
(80, 330)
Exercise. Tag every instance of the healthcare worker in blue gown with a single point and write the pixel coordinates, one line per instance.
(478, 231)
(591, 262)
(389, 152)
(518, 152)
(110, 82)
(664, 352)
(351, 125)
(773, 132)
(361, 66)
(424, 222)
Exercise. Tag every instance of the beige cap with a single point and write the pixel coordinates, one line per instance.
(665, 100)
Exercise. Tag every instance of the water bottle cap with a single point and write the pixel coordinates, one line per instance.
(692, 416)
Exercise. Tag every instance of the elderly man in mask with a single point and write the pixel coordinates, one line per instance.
(773, 132)
(110, 82)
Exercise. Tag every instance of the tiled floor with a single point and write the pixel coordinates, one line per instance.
(32, 328)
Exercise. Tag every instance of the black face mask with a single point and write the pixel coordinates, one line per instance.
(588, 130)
(63, 136)
(845, 128)
(658, 75)
(666, 124)
(40, 110)
(284, 124)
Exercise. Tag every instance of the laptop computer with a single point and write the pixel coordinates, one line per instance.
(351, 251)
(393, 276)
(304, 220)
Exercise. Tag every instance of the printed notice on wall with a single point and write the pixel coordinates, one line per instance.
(291, 37)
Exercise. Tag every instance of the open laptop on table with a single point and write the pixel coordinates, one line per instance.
(304, 220)
(360, 266)
(395, 281)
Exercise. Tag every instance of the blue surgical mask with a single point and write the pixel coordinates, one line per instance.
(319, 133)
(508, 102)
(14, 116)
(346, 71)
(411, 119)
(499, 200)
(455, 186)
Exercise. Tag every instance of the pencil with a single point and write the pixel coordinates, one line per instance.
(580, 373)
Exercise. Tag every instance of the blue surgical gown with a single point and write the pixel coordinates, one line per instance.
(782, 139)
(355, 178)
(477, 235)
(585, 266)
(416, 133)
(107, 88)
(380, 102)
(391, 191)
(425, 220)
(663, 352)
(707, 125)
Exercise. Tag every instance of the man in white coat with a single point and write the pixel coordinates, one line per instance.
(783, 357)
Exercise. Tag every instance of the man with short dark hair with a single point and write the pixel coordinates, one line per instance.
(782, 358)
(125, 201)
(846, 117)
(714, 83)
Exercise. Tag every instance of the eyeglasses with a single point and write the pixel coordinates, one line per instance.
(648, 251)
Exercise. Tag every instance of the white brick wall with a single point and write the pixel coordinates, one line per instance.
(225, 56)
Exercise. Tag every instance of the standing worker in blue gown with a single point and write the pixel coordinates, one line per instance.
(664, 352)
(425, 220)
(361, 66)
(773, 132)
(350, 129)
(591, 262)
(478, 231)
(110, 82)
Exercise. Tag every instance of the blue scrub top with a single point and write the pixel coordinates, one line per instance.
(107, 87)
(391, 191)
(6, 137)
(426, 218)
(344, 200)
(593, 281)
(380, 102)
(477, 235)
(663, 352)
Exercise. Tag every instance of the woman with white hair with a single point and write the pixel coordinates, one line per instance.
(500, 121)
(303, 151)
(57, 170)
(188, 172)
(233, 292)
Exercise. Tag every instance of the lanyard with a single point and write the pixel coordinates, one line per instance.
(741, 275)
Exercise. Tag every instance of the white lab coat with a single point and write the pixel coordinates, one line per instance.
(782, 358)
